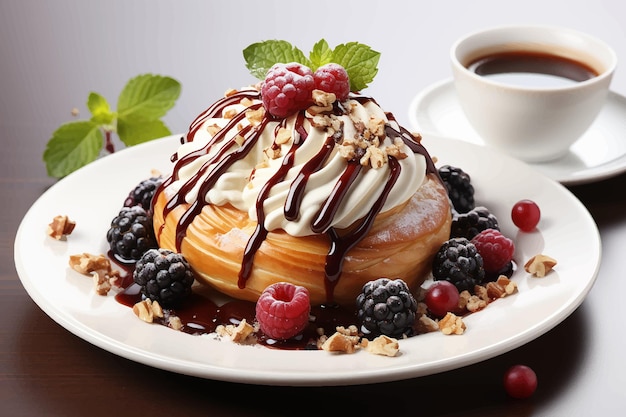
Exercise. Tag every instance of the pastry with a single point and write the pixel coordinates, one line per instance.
(329, 197)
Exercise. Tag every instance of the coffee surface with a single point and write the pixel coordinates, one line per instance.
(531, 69)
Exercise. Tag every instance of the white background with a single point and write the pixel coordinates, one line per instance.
(53, 53)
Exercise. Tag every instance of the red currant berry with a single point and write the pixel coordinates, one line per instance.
(520, 381)
(333, 78)
(287, 89)
(441, 297)
(283, 310)
(495, 249)
(525, 215)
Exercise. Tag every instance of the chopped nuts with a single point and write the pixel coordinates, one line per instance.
(272, 152)
(255, 117)
(340, 343)
(471, 302)
(229, 113)
(283, 136)
(451, 324)
(175, 322)
(101, 282)
(426, 325)
(502, 287)
(242, 333)
(383, 345)
(99, 267)
(147, 310)
(539, 265)
(324, 99)
(213, 129)
(343, 340)
(86, 263)
(60, 227)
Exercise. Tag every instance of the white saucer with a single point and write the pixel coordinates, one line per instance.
(599, 154)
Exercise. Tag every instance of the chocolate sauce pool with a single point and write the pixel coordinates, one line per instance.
(199, 314)
(340, 241)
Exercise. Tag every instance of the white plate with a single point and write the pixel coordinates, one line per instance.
(599, 154)
(93, 195)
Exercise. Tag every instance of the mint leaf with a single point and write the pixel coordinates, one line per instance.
(321, 54)
(100, 109)
(360, 61)
(133, 131)
(148, 97)
(142, 102)
(261, 56)
(72, 146)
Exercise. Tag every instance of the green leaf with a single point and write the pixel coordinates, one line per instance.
(100, 109)
(261, 56)
(73, 145)
(360, 61)
(133, 132)
(148, 97)
(321, 54)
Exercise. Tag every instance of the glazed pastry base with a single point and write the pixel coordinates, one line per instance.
(400, 244)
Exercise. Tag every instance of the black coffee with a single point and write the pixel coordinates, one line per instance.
(531, 69)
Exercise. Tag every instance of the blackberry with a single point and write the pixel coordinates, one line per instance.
(164, 276)
(386, 306)
(142, 194)
(131, 234)
(459, 262)
(473, 222)
(459, 186)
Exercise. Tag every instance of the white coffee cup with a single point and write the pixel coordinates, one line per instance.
(532, 122)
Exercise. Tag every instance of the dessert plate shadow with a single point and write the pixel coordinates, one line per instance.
(599, 154)
(93, 195)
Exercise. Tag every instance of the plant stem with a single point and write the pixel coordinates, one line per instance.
(109, 142)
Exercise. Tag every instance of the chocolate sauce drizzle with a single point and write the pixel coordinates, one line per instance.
(341, 241)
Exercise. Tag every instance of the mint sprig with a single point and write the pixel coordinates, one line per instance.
(359, 60)
(142, 103)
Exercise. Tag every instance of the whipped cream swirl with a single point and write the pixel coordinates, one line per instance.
(288, 170)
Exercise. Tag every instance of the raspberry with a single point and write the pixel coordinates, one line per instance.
(333, 78)
(131, 234)
(164, 276)
(386, 306)
(142, 194)
(495, 249)
(459, 262)
(460, 189)
(287, 89)
(282, 310)
(473, 222)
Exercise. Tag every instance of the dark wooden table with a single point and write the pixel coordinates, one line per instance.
(47, 371)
